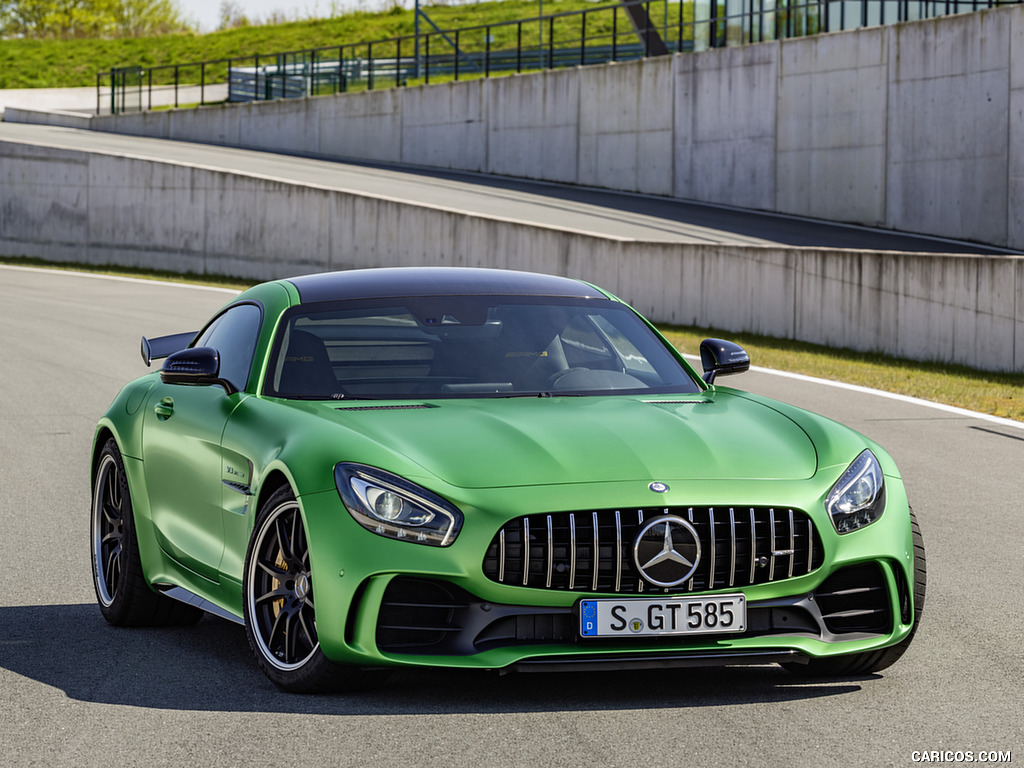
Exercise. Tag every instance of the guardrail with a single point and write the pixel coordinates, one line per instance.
(628, 30)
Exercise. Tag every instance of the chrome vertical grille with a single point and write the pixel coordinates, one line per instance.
(551, 553)
(592, 551)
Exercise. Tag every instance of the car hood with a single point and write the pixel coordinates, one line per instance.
(506, 442)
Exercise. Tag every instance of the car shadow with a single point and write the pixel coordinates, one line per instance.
(208, 667)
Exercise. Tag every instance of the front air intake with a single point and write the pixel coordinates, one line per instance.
(855, 600)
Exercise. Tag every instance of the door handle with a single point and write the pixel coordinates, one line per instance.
(165, 408)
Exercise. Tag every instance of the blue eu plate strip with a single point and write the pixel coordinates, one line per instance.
(588, 618)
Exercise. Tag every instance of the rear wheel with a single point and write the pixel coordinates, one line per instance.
(280, 617)
(876, 661)
(124, 597)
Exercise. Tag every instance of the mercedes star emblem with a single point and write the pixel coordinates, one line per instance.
(666, 551)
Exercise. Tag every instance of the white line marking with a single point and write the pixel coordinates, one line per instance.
(758, 369)
(119, 278)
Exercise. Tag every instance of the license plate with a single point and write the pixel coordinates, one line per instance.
(666, 616)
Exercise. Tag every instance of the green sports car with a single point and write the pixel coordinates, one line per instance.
(490, 469)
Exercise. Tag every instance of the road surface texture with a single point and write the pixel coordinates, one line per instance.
(77, 692)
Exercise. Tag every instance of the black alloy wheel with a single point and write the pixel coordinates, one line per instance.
(280, 615)
(280, 588)
(124, 596)
(108, 512)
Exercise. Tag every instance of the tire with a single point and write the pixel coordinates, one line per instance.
(875, 661)
(124, 597)
(280, 617)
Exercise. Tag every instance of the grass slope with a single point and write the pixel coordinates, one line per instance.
(63, 64)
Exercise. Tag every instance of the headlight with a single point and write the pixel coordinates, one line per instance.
(858, 497)
(393, 507)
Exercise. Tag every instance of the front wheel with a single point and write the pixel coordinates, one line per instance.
(280, 617)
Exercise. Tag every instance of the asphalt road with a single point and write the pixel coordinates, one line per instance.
(613, 214)
(76, 692)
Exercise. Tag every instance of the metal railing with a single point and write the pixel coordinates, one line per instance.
(628, 30)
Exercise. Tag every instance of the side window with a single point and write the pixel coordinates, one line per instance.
(234, 335)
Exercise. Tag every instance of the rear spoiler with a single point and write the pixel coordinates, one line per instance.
(162, 346)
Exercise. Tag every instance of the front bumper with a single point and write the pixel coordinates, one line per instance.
(385, 603)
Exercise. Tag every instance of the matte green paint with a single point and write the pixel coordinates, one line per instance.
(495, 459)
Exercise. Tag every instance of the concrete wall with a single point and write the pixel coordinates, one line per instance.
(949, 153)
(627, 147)
(99, 208)
(916, 127)
(726, 126)
(832, 137)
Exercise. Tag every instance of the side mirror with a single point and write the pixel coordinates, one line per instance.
(720, 357)
(198, 365)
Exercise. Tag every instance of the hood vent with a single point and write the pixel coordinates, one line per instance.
(415, 407)
(678, 402)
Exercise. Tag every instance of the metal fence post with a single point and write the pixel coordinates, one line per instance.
(615, 31)
(679, 40)
(583, 39)
(647, 29)
(519, 47)
(551, 42)
(416, 33)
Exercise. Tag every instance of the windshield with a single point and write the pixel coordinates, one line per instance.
(468, 346)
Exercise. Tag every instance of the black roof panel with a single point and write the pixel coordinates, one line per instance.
(435, 281)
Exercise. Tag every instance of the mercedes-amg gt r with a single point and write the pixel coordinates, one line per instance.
(492, 469)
